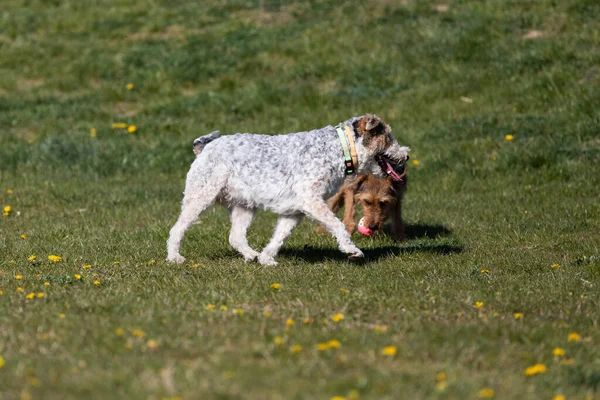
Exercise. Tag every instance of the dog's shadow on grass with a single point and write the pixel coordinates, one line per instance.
(416, 232)
(419, 231)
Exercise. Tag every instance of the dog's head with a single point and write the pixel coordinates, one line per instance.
(381, 153)
(377, 196)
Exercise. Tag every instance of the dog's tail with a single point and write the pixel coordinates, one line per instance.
(202, 141)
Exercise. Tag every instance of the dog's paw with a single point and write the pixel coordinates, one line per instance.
(265, 259)
(356, 255)
(177, 258)
(250, 256)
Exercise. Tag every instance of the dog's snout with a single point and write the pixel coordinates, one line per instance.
(373, 227)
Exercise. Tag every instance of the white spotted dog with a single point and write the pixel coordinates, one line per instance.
(290, 175)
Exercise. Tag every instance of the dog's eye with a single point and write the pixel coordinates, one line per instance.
(382, 203)
(369, 203)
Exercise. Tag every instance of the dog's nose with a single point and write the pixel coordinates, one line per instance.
(373, 227)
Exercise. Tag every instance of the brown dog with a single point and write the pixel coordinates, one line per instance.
(380, 199)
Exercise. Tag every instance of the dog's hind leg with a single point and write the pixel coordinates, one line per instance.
(284, 227)
(198, 197)
(319, 211)
(241, 218)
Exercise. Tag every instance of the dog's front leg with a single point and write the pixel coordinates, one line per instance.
(397, 223)
(284, 227)
(349, 212)
(318, 210)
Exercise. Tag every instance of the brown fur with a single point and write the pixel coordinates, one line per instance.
(380, 198)
(375, 132)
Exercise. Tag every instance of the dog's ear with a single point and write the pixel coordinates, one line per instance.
(357, 183)
(371, 121)
(371, 125)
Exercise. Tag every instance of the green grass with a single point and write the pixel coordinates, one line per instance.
(476, 201)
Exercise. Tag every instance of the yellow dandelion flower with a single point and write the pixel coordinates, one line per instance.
(484, 271)
(295, 349)
(238, 311)
(195, 266)
(275, 286)
(1, 362)
(267, 313)
(132, 128)
(389, 351)
(574, 337)
(18, 277)
(567, 361)
(97, 282)
(416, 162)
(338, 398)
(152, 344)
(40, 295)
(322, 346)
(223, 308)
(46, 283)
(9, 191)
(380, 328)
(87, 266)
(441, 376)
(32, 258)
(129, 86)
(535, 370)
(441, 386)
(278, 340)
(62, 316)
(20, 289)
(334, 344)
(308, 321)
(30, 296)
(119, 332)
(558, 352)
(346, 291)
(24, 236)
(1, 292)
(486, 393)
(119, 125)
(210, 307)
(77, 276)
(54, 258)
(554, 266)
(138, 333)
(509, 137)
(478, 304)
(289, 322)
(559, 397)
(7, 210)
(93, 132)
(337, 317)
(518, 315)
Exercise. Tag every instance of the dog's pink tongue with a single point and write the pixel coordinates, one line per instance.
(390, 171)
(363, 229)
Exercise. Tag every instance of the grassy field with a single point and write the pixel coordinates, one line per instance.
(501, 271)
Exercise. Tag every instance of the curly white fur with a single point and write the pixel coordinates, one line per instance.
(290, 175)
